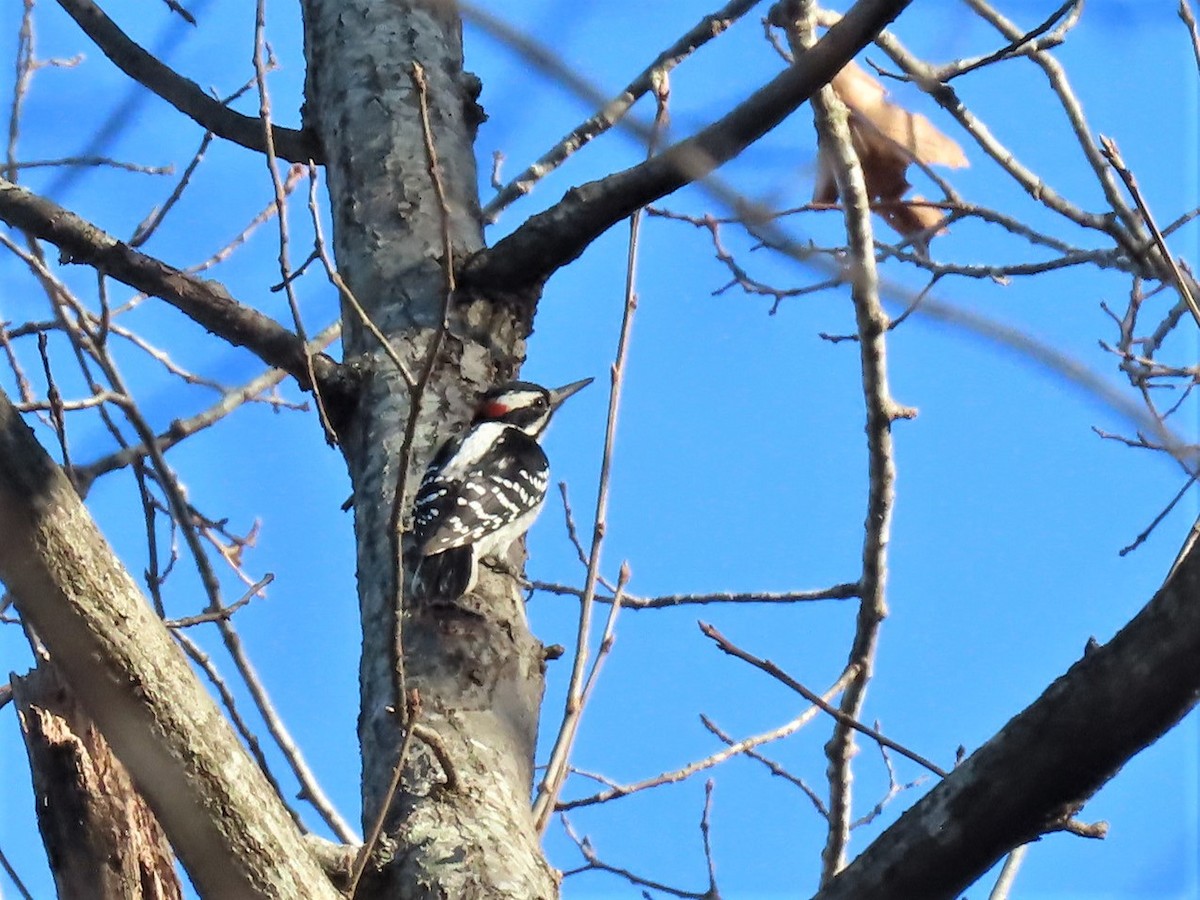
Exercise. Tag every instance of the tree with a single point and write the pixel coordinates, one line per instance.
(431, 314)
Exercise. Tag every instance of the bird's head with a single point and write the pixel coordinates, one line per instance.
(525, 405)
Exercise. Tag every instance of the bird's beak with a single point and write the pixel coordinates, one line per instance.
(558, 395)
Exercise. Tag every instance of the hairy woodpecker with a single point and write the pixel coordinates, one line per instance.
(484, 487)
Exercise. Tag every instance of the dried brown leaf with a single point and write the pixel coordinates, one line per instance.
(910, 133)
(887, 138)
(911, 218)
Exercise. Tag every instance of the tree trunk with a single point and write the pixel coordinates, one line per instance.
(101, 838)
(476, 669)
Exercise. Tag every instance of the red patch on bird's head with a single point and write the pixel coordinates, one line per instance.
(494, 409)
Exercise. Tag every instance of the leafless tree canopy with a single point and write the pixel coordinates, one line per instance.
(388, 313)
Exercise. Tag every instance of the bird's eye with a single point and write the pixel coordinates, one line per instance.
(540, 403)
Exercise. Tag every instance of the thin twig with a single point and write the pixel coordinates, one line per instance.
(593, 863)
(708, 762)
(1015, 45)
(894, 786)
(631, 601)
(417, 386)
(264, 113)
(255, 590)
(1008, 873)
(777, 673)
(321, 249)
(149, 225)
(608, 636)
(26, 65)
(56, 408)
(1095, 831)
(24, 387)
(706, 839)
(773, 767)
(412, 705)
(1113, 155)
(93, 162)
(177, 8)
(572, 531)
(249, 738)
(557, 766)
(1149, 529)
(16, 880)
(310, 788)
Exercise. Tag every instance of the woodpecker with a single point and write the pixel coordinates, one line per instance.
(484, 488)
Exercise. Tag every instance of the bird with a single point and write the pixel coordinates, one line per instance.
(484, 487)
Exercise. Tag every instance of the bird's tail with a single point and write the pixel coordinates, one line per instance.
(445, 576)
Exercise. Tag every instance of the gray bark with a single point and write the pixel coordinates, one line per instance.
(476, 668)
(230, 830)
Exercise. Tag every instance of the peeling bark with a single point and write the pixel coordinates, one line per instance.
(101, 838)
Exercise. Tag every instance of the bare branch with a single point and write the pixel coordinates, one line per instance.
(149, 225)
(119, 659)
(253, 745)
(180, 429)
(629, 601)
(550, 240)
(577, 690)
(205, 302)
(777, 673)
(1113, 155)
(706, 839)
(1048, 760)
(412, 713)
(285, 268)
(733, 749)
(179, 10)
(186, 96)
(14, 877)
(225, 612)
(1016, 45)
(92, 162)
(773, 767)
(593, 863)
(400, 498)
(1154, 523)
(614, 110)
(1008, 873)
(832, 120)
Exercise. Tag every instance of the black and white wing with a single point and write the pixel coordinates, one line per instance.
(486, 490)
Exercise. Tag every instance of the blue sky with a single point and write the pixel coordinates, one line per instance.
(740, 462)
